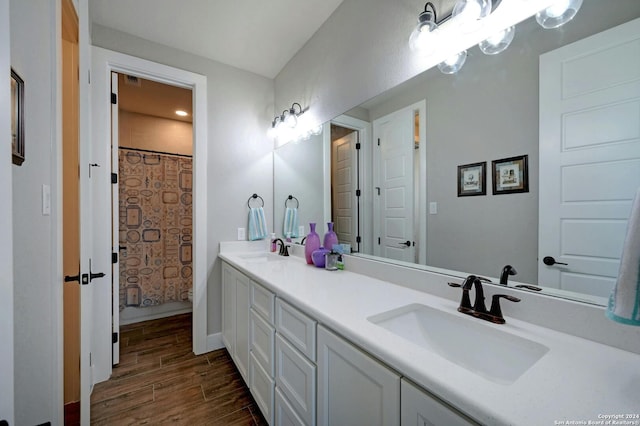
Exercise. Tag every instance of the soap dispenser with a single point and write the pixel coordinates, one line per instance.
(274, 245)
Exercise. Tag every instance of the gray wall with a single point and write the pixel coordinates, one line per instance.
(6, 243)
(487, 111)
(240, 108)
(36, 290)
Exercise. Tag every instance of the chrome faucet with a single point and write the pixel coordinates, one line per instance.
(506, 271)
(479, 309)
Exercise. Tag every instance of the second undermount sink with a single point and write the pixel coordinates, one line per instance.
(472, 344)
(261, 257)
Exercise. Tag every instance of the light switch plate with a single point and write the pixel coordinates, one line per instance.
(433, 207)
(300, 230)
(242, 234)
(46, 200)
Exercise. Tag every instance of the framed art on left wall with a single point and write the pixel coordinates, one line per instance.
(17, 119)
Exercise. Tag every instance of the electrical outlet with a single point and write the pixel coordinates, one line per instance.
(301, 230)
(433, 207)
(242, 234)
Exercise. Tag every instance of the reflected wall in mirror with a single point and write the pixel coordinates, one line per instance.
(488, 111)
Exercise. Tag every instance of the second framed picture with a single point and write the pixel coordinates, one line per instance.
(510, 175)
(472, 179)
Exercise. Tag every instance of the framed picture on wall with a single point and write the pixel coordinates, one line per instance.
(17, 119)
(510, 175)
(472, 179)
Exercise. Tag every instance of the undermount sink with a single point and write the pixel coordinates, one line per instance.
(472, 344)
(261, 257)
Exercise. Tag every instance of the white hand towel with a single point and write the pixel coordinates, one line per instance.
(624, 302)
(257, 224)
(290, 222)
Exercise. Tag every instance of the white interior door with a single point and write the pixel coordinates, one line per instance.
(115, 217)
(589, 157)
(344, 179)
(393, 136)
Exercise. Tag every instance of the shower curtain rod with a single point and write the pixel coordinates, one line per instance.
(155, 152)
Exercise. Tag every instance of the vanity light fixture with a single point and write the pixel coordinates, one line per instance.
(287, 126)
(558, 14)
(453, 64)
(499, 42)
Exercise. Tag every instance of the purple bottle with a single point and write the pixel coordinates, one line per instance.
(330, 238)
(311, 244)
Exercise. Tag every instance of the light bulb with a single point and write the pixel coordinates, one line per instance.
(453, 64)
(498, 42)
(469, 13)
(291, 120)
(419, 39)
(558, 14)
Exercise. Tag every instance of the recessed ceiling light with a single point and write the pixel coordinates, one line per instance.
(181, 113)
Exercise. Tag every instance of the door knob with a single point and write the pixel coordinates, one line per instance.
(550, 261)
(406, 243)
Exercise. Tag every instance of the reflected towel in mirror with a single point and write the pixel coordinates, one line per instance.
(624, 302)
(290, 222)
(257, 224)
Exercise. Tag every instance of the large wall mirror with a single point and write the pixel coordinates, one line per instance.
(409, 209)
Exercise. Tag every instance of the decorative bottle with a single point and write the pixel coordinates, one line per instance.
(330, 238)
(311, 244)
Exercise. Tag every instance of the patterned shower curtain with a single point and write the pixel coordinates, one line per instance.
(155, 228)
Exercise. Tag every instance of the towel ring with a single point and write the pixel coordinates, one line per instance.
(254, 196)
(291, 197)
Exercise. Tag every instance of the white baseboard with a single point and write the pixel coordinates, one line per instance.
(132, 315)
(214, 342)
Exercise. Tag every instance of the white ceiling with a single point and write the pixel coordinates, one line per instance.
(255, 35)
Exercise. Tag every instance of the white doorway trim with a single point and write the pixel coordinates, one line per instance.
(104, 62)
(365, 218)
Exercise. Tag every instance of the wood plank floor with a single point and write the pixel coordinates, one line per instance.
(159, 380)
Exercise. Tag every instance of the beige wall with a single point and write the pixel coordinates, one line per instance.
(141, 131)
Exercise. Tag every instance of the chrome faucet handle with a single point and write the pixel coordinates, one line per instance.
(495, 313)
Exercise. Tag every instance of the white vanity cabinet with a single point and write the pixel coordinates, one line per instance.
(419, 408)
(354, 388)
(235, 317)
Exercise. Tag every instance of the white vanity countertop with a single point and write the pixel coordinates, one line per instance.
(577, 380)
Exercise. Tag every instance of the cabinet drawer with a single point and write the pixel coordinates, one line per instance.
(296, 378)
(285, 415)
(262, 300)
(420, 408)
(297, 327)
(262, 388)
(262, 341)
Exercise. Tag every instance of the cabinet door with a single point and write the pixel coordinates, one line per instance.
(353, 388)
(228, 308)
(421, 409)
(242, 325)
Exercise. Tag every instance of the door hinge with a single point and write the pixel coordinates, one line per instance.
(358, 145)
(378, 141)
(114, 98)
(358, 239)
(114, 337)
(358, 193)
(114, 178)
(378, 240)
(114, 257)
